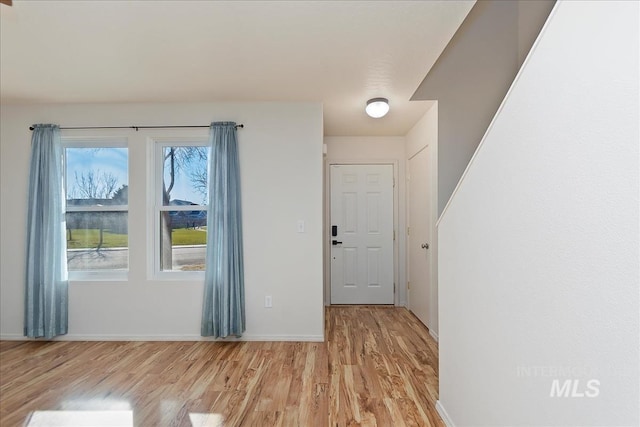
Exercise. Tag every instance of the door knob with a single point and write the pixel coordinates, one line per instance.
(425, 246)
(335, 242)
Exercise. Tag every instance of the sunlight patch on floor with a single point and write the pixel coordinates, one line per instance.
(206, 420)
(81, 419)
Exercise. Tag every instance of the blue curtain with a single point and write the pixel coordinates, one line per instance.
(223, 309)
(45, 313)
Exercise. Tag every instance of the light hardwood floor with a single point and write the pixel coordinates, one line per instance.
(378, 366)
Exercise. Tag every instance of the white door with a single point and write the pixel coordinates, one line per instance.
(361, 234)
(420, 292)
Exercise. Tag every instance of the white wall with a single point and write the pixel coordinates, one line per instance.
(281, 173)
(539, 246)
(353, 149)
(425, 133)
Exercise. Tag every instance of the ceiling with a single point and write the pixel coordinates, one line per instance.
(340, 53)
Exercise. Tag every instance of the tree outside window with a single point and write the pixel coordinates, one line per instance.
(183, 208)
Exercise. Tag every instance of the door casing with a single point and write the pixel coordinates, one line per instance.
(362, 253)
(327, 219)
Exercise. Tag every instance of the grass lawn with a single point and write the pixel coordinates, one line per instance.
(188, 236)
(89, 238)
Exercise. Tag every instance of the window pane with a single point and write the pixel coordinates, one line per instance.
(97, 241)
(97, 176)
(183, 240)
(184, 175)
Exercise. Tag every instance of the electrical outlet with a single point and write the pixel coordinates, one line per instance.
(300, 226)
(267, 301)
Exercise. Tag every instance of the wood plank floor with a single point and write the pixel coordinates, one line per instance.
(378, 367)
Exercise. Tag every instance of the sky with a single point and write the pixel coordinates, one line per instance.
(101, 161)
(183, 188)
(115, 161)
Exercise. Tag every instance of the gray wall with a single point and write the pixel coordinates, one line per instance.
(472, 76)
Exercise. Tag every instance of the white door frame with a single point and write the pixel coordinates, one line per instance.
(327, 220)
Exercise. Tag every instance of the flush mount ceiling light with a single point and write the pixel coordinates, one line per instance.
(377, 107)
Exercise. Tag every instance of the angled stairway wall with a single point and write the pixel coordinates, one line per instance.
(472, 76)
(539, 246)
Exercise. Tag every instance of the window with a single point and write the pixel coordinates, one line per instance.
(97, 183)
(181, 184)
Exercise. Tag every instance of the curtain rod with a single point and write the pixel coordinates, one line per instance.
(137, 127)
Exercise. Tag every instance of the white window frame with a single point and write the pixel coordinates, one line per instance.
(157, 146)
(93, 142)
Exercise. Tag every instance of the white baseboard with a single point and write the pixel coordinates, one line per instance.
(305, 338)
(13, 337)
(444, 415)
(434, 335)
